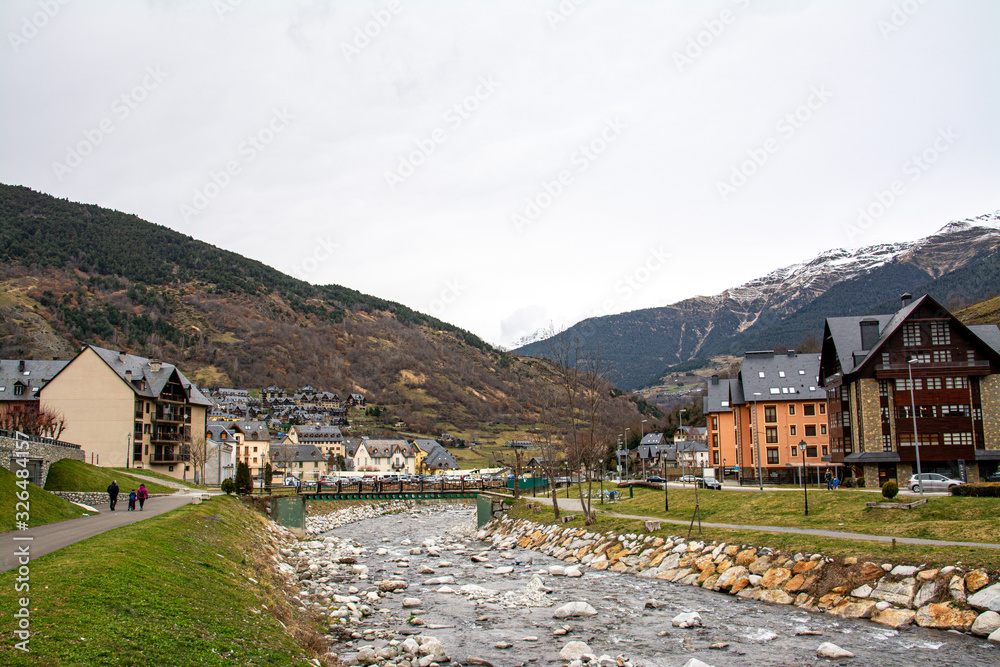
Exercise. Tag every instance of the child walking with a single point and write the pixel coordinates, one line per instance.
(131, 501)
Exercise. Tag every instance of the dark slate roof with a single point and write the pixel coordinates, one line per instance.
(319, 432)
(691, 446)
(351, 446)
(654, 451)
(252, 430)
(653, 439)
(155, 381)
(215, 431)
(719, 397)
(377, 447)
(34, 375)
(988, 333)
(440, 458)
(781, 377)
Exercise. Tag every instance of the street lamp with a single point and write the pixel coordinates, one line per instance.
(642, 434)
(805, 486)
(680, 429)
(913, 411)
(756, 437)
(626, 452)
(128, 445)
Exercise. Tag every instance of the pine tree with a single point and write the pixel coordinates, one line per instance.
(244, 484)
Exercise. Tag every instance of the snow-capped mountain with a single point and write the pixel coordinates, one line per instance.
(785, 305)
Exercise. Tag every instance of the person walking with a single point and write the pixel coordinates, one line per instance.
(829, 480)
(113, 494)
(142, 495)
(131, 501)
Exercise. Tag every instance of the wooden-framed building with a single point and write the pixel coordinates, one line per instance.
(953, 400)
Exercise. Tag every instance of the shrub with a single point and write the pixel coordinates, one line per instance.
(890, 489)
(977, 490)
(244, 483)
(228, 486)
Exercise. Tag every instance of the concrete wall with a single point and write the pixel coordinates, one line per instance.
(44, 453)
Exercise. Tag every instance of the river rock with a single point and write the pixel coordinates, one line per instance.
(985, 599)
(574, 651)
(975, 580)
(392, 585)
(695, 662)
(945, 617)
(574, 571)
(571, 609)
(437, 581)
(506, 569)
(926, 593)
(830, 650)
(995, 636)
(409, 603)
(424, 569)
(433, 648)
(366, 656)
(894, 618)
(986, 624)
(899, 593)
(410, 646)
(687, 620)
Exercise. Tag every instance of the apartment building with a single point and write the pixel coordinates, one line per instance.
(915, 377)
(772, 417)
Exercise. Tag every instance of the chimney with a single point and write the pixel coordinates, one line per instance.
(906, 299)
(715, 379)
(154, 365)
(20, 366)
(128, 376)
(121, 356)
(869, 334)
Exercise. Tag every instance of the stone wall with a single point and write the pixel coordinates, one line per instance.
(989, 396)
(97, 498)
(42, 451)
(871, 419)
(892, 595)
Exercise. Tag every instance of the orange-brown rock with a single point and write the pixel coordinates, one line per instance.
(975, 580)
(776, 597)
(775, 577)
(945, 617)
(703, 562)
(761, 565)
(706, 573)
(740, 584)
(871, 570)
(724, 565)
(854, 609)
(804, 566)
(746, 557)
(894, 618)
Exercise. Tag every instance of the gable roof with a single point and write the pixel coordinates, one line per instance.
(781, 377)
(32, 373)
(653, 439)
(252, 430)
(722, 396)
(386, 448)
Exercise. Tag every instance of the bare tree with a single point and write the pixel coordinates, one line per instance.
(282, 455)
(198, 458)
(553, 449)
(32, 419)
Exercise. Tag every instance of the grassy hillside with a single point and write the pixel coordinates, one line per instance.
(984, 312)
(69, 475)
(190, 587)
(42, 507)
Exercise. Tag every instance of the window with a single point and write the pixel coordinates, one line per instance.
(781, 374)
(791, 430)
(846, 418)
(774, 390)
(810, 430)
(940, 334)
(715, 458)
(772, 457)
(911, 334)
(955, 411)
(19, 389)
(845, 395)
(809, 410)
(956, 383)
(147, 428)
(932, 383)
(760, 374)
(715, 439)
(791, 409)
(795, 451)
(886, 443)
(885, 358)
(920, 357)
(903, 384)
(715, 423)
(801, 372)
(971, 356)
(942, 356)
(770, 414)
(822, 429)
(771, 435)
(826, 450)
(822, 409)
(957, 438)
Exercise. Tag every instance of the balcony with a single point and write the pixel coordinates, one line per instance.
(171, 453)
(979, 364)
(169, 416)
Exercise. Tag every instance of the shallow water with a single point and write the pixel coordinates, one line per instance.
(756, 633)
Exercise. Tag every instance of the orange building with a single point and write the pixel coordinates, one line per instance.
(766, 416)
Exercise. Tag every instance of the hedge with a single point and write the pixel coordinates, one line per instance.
(977, 490)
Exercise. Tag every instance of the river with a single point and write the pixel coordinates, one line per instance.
(740, 632)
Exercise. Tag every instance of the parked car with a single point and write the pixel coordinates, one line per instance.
(654, 479)
(292, 480)
(995, 477)
(931, 481)
(711, 483)
(328, 479)
(688, 479)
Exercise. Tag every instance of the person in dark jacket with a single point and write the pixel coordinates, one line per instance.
(113, 494)
(142, 495)
(131, 501)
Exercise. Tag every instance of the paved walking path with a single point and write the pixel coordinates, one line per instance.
(161, 482)
(574, 505)
(54, 536)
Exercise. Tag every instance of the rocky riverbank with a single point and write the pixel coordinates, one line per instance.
(892, 595)
(404, 600)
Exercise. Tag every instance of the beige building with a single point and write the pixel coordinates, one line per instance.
(128, 411)
(385, 456)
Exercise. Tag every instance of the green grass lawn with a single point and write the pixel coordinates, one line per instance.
(159, 475)
(42, 507)
(69, 475)
(174, 589)
(955, 518)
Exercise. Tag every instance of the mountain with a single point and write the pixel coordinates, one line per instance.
(72, 274)
(958, 265)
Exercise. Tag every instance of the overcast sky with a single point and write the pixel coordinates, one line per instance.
(507, 165)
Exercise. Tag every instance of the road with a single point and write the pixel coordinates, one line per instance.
(54, 536)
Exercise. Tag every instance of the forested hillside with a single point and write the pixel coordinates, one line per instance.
(72, 274)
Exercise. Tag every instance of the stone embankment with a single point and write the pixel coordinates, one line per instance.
(893, 595)
(96, 498)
